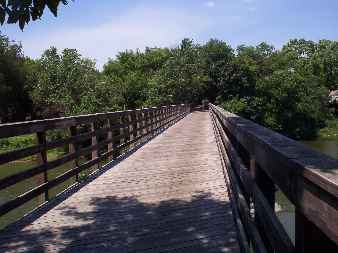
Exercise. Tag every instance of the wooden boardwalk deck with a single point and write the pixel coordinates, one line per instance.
(168, 196)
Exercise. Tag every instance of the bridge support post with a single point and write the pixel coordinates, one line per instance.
(268, 189)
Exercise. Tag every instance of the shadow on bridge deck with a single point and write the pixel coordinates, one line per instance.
(169, 196)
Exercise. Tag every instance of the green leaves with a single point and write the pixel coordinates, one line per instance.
(53, 6)
(2, 15)
(23, 11)
(14, 102)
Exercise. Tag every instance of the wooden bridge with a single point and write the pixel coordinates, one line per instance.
(168, 180)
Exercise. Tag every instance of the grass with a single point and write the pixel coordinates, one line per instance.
(17, 142)
(330, 131)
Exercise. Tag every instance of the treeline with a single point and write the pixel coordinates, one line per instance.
(286, 90)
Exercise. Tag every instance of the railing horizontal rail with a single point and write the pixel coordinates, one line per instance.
(29, 127)
(261, 159)
(109, 135)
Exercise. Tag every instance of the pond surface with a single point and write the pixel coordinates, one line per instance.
(328, 147)
(13, 191)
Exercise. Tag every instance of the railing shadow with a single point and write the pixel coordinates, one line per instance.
(111, 224)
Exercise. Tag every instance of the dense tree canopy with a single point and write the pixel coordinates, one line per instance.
(15, 103)
(286, 90)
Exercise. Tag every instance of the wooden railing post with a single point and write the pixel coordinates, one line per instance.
(110, 137)
(134, 120)
(152, 121)
(43, 159)
(148, 120)
(162, 118)
(309, 238)
(73, 148)
(268, 189)
(94, 142)
(122, 130)
(116, 132)
(95, 151)
(126, 129)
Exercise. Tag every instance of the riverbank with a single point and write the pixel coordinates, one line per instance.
(330, 131)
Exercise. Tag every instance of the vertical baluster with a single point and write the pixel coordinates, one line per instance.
(110, 137)
(73, 148)
(122, 129)
(162, 117)
(149, 121)
(309, 238)
(268, 189)
(153, 120)
(94, 141)
(134, 120)
(144, 123)
(127, 127)
(115, 122)
(157, 119)
(41, 136)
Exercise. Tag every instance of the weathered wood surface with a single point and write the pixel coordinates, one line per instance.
(169, 196)
(308, 179)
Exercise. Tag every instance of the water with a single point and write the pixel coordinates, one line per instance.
(12, 192)
(284, 208)
(328, 147)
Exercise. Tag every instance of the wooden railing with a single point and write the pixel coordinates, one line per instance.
(102, 137)
(258, 161)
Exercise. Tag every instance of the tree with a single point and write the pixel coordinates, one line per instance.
(324, 63)
(130, 73)
(63, 84)
(292, 102)
(23, 11)
(217, 57)
(182, 78)
(15, 103)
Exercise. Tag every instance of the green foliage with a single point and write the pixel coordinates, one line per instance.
(182, 78)
(64, 84)
(331, 129)
(15, 103)
(129, 76)
(235, 105)
(18, 142)
(292, 103)
(23, 11)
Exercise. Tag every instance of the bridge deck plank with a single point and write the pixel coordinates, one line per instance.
(169, 196)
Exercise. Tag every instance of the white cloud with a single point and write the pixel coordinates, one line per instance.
(210, 4)
(137, 28)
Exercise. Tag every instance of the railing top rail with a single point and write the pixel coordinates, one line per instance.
(308, 178)
(313, 165)
(28, 127)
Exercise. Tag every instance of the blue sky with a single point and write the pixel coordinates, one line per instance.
(101, 28)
